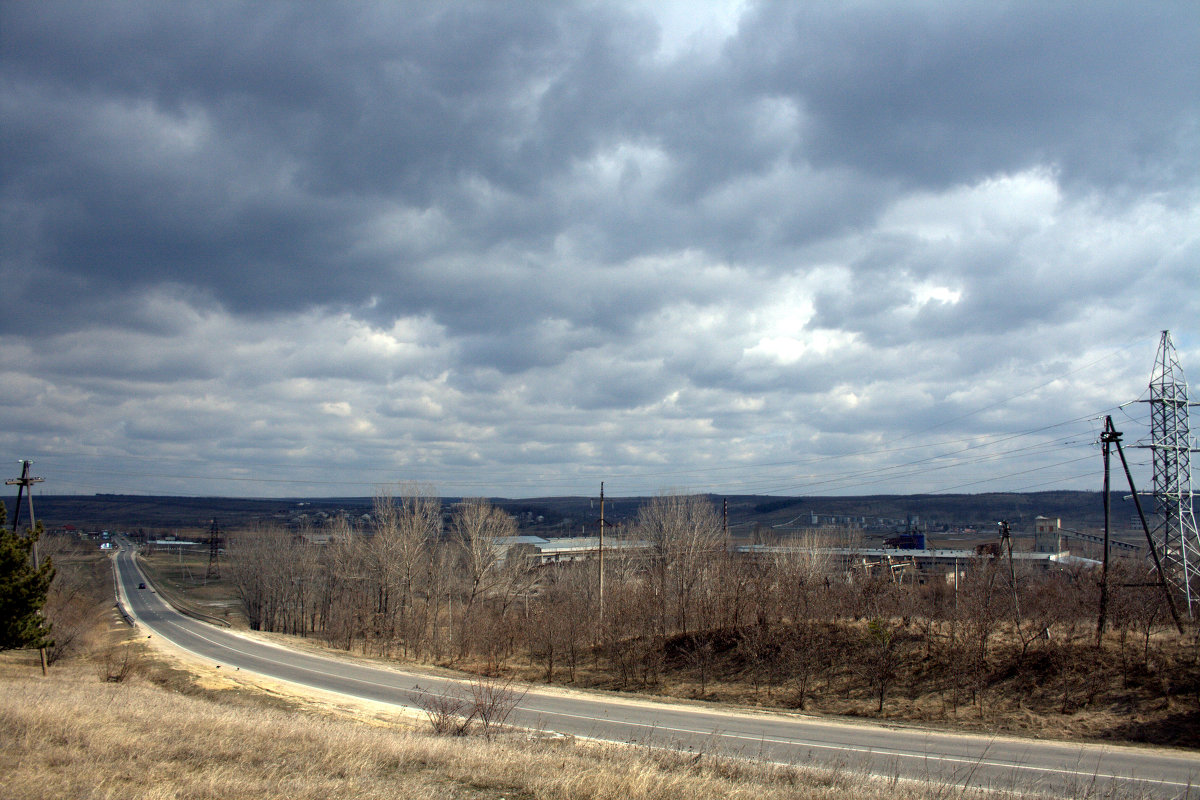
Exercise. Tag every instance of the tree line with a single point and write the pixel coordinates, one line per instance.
(793, 625)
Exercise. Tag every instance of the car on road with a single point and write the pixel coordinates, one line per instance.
(141, 586)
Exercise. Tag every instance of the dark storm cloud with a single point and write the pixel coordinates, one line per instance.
(938, 93)
(235, 147)
(603, 233)
(234, 150)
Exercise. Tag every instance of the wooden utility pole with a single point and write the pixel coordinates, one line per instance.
(24, 486)
(725, 521)
(600, 552)
(1107, 438)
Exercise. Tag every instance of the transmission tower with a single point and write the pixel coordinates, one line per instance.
(214, 553)
(1175, 523)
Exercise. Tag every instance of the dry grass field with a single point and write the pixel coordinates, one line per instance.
(158, 734)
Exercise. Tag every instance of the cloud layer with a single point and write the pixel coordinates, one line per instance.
(286, 249)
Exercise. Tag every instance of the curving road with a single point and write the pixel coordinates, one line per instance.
(943, 758)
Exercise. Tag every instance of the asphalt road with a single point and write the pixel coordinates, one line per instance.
(1068, 770)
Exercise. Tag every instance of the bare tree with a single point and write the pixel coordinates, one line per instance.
(1135, 610)
(557, 619)
(381, 564)
(276, 577)
(763, 658)
(119, 662)
(478, 528)
(493, 702)
(980, 607)
(803, 574)
(347, 604)
(630, 634)
(250, 570)
(701, 655)
(439, 573)
(394, 558)
(880, 659)
(448, 714)
(685, 534)
(419, 528)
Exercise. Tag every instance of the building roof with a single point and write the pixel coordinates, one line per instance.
(509, 541)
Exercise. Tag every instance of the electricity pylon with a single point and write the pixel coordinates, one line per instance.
(1175, 522)
(214, 550)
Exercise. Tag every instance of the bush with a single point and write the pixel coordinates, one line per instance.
(491, 703)
(119, 663)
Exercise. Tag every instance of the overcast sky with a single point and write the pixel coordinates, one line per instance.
(290, 249)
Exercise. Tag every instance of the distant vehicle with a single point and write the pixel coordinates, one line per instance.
(141, 586)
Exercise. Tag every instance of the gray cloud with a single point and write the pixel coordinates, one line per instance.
(932, 93)
(447, 243)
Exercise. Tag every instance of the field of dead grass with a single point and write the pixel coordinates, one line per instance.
(157, 735)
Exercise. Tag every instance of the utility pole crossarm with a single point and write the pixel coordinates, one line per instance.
(23, 481)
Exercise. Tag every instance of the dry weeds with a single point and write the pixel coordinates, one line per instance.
(73, 735)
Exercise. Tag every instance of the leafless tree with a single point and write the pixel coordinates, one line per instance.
(701, 655)
(439, 582)
(448, 714)
(980, 607)
(630, 635)
(394, 559)
(805, 598)
(120, 662)
(252, 572)
(559, 618)
(347, 607)
(420, 529)
(551, 624)
(880, 657)
(756, 646)
(685, 535)
(478, 527)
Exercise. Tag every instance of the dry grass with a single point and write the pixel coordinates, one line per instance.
(73, 735)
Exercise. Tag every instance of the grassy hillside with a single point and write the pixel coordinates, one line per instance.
(160, 734)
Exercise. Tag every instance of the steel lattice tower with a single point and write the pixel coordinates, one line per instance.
(214, 551)
(1175, 524)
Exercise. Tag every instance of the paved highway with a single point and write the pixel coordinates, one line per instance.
(1068, 770)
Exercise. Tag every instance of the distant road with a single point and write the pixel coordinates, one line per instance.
(943, 758)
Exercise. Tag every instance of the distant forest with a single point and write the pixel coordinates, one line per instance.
(573, 516)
